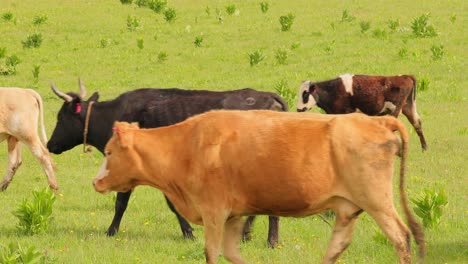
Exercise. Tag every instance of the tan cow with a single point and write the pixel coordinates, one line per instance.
(219, 166)
(20, 111)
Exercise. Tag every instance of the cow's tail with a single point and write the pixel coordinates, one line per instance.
(394, 125)
(279, 101)
(41, 115)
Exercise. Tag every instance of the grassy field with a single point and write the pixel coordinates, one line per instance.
(91, 40)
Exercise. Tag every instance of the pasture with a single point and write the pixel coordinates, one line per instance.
(116, 48)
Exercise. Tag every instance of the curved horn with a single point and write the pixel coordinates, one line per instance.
(82, 89)
(60, 94)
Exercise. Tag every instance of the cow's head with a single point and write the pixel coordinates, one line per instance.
(121, 167)
(68, 132)
(307, 96)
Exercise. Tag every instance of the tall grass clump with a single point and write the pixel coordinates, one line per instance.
(162, 56)
(198, 41)
(40, 20)
(422, 28)
(286, 21)
(231, 9)
(393, 24)
(35, 73)
(132, 23)
(437, 52)
(17, 254)
(34, 216)
(453, 18)
(264, 6)
(32, 41)
(141, 3)
(8, 16)
(289, 95)
(256, 57)
(126, 2)
(403, 53)
(365, 26)
(170, 15)
(429, 207)
(346, 17)
(157, 5)
(2, 52)
(140, 43)
(281, 55)
(422, 84)
(9, 66)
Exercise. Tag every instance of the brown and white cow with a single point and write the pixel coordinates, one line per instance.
(20, 111)
(372, 95)
(219, 166)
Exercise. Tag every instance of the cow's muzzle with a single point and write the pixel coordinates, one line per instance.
(302, 109)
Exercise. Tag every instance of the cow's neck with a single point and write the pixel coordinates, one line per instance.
(101, 120)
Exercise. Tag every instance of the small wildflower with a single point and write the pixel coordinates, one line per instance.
(92, 213)
(71, 231)
(117, 239)
(61, 194)
(146, 223)
(183, 257)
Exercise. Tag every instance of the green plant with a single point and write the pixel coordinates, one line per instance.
(32, 41)
(365, 26)
(256, 57)
(403, 53)
(40, 19)
(141, 3)
(34, 216)
(231, 9)
(9, 68)
(289, 95)
(208, 10)
(346, 17)
(16, 254)
(219, 16)
(198, 41)
(422, 28)
(157, 5)
(126, 2)
(35, 72)
(140, 43)
(429, 206)
(380, 237)
(393, 24)
(8, 16)
(281, 55)
(170, 14)
(132, 23)
(379, 33)
(422, 84)
(330, 47)
(104, 42)
(437, 52)
(295, 45)
(264, 6)
(453, 18)
(286, 21)
(162, 56)
(2, 53)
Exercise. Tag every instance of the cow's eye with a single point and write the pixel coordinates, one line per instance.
(107, 153)
(305, 97)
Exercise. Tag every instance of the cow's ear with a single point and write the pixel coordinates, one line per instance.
(76, 106)
(124, 132)
(94, 97)
(312, 88)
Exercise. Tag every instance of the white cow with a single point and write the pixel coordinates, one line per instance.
(20, 111)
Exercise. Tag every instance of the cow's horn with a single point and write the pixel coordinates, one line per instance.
(60, 94)
(82, 89)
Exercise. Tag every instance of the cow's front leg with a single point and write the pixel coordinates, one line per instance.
(184, 225)
(231, 239)
(14, 161)
(273, 231)
(214, 229)
(120, 206)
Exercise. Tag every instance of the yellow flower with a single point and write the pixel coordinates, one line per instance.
(92, 213)
(146, 223)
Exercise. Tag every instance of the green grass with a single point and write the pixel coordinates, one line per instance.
(72, 47)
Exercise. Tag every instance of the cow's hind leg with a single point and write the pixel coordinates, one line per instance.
(273, 225)
(14, 161)
(247, 228)
(184, 225)
(346, 216)
(396, 231)
(120, 206)
(42, 155)
(231, 239)
(409, 110)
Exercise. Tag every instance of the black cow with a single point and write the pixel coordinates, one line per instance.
(151, 108)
